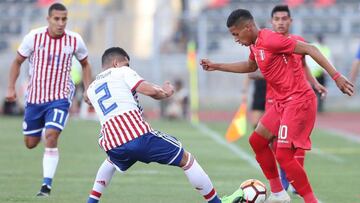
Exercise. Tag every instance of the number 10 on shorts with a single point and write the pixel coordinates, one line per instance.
(283, 132)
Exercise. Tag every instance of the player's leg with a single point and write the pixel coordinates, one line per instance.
(300, 157)
(198, 178)
(167, 150)
(102, 180)
(120, 158)
(202, 183)
(285, 183)
(55, 120)
(260, 140)
(33, 124)
(296, 174)
(31, 141)
(294, 132)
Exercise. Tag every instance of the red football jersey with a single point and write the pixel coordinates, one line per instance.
(282, 69)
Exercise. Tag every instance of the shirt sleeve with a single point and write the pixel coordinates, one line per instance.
(132, 79)
(27, 45)
(251, 55)
(277, 43)
(358, 54)
(81, 51)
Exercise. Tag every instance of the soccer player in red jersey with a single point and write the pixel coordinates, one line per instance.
(281, 21)
(293, 113)
(50, 50)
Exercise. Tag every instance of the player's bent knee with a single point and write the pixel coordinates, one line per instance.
(51, 138)
(31, 143)
(258, 142)
(263, 131)
(185, 158)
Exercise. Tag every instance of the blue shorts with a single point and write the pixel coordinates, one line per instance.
(52, 114)
(151, 147)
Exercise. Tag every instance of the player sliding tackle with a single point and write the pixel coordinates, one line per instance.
(127, 138)
(293, 114)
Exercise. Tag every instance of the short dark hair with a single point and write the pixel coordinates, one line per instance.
(114, 52)
(56, 6)
(281, 8)
(238, 16)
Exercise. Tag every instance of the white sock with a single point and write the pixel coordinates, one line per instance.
(103, 178)
(199, 179)
(50, 162)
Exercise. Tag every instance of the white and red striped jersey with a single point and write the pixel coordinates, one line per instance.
(113, 95)
(50, 63)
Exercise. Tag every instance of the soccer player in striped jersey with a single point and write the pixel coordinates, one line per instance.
(127, 138)
(292, 116)
(50, 51)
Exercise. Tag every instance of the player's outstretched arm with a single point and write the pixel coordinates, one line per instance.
(13, 76)
(156, 91)
(238, 67)
(343, 84)
(317, 86)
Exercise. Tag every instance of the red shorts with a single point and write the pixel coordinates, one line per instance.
(292, 123)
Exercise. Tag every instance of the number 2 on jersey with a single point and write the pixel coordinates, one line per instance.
(104, 87)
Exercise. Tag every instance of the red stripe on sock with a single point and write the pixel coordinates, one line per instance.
(96, 194)
(210, 194)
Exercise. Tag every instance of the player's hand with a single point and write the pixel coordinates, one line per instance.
(207, 65)
(168, 88)
(345, 85)
(10, 95)
(321, 90)
(86, 98)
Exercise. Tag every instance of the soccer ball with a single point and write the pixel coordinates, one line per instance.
(254, 191)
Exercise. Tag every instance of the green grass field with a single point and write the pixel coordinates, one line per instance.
(333, 167)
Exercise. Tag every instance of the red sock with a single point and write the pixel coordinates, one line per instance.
(310, 198)
(266, 159)
(295, 173)
(300, 156)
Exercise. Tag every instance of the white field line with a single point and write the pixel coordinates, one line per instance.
(326, 155)
(342, 134)
(232, 147)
